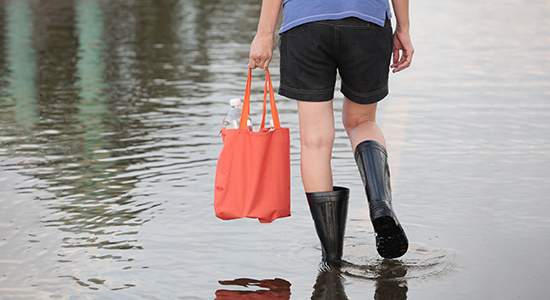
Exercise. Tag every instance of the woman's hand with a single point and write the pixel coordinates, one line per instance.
(403, 52)
(261, 51)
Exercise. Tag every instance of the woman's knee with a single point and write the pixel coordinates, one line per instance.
(316, 125)
(354, 115)
(317, 140)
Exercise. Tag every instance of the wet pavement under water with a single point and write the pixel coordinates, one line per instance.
(109, 121)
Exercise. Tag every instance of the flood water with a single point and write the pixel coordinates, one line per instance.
(109, 121)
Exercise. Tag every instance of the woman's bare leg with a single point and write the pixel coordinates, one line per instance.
(316, 140)
(360, 123)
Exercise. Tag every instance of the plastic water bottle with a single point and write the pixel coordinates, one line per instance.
(233, 118)
(269, 128)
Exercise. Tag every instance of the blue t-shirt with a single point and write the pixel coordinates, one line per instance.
(298, 12)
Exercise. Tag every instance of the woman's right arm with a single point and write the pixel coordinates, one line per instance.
(261, 49)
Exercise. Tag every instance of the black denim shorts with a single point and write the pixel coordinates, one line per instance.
(312, 53)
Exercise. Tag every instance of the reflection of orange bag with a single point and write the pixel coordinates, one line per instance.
(278, 289)
(253, 170)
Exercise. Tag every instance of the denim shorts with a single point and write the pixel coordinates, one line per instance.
(312, 53)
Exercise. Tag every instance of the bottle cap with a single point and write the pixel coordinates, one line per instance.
(235, 102)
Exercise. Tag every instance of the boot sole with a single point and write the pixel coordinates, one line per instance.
(391, 241)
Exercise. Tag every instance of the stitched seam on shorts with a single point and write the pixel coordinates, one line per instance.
(305, 91)
(340, 25)
(366, 94)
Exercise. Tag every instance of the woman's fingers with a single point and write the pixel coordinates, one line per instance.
(403, 52)
(261, 52)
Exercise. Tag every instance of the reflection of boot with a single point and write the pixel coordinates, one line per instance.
(329, 211)
(329, 286)
(391, 284)
(372, 160)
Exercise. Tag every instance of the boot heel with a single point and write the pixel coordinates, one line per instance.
(386, 227)
(392, 246)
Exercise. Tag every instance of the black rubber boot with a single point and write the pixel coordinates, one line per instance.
(329, 211)
(372, 160)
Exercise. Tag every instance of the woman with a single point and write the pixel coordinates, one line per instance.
(354, 37)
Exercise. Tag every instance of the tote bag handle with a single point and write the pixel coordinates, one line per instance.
(246, 102)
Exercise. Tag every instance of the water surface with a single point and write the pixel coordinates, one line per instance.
(109, 121)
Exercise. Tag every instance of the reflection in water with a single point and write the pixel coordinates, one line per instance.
(67, 134)
(269, 289)
(389, 276)
(329, 285)
(84, 177)
(390, 284)
(20, 96)
(94, 198)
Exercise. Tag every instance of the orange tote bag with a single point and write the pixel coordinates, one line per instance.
(253, 169)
